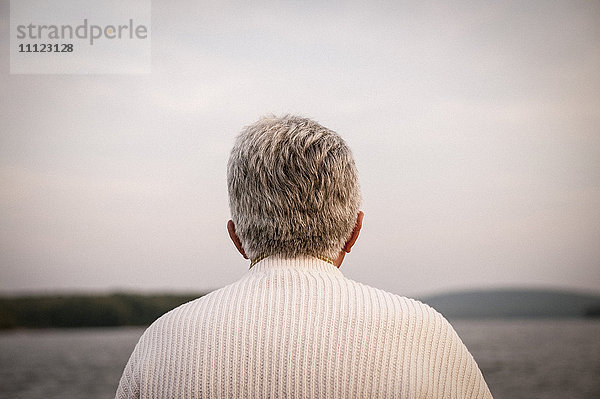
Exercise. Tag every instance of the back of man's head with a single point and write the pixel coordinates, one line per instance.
(293, 188)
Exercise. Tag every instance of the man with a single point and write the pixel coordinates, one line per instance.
(294, 326)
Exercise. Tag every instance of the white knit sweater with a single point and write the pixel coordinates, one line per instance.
(297, 328)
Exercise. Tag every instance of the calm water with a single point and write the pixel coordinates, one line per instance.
(519, 358)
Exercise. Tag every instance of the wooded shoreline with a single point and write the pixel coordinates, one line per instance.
(69, 311)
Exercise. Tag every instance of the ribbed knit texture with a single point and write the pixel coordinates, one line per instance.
(297, 328)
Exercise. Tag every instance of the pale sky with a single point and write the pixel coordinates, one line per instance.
(475, 128)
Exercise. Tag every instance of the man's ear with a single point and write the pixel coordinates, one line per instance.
(236, 239)
(354, 236)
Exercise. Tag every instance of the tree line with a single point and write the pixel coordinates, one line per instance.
(69, 311)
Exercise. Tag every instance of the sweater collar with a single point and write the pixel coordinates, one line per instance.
(307, 263)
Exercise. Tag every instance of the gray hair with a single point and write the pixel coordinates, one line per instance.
(293, 188)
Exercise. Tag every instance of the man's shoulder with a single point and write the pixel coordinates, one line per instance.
(187, 311)
(407, 306)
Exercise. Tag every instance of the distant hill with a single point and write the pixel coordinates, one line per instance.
(510, 303)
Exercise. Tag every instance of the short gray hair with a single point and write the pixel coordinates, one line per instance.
(293, 188)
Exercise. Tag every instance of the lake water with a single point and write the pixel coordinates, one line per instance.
(519, 358)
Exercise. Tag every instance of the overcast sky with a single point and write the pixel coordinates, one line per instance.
(475, 127)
